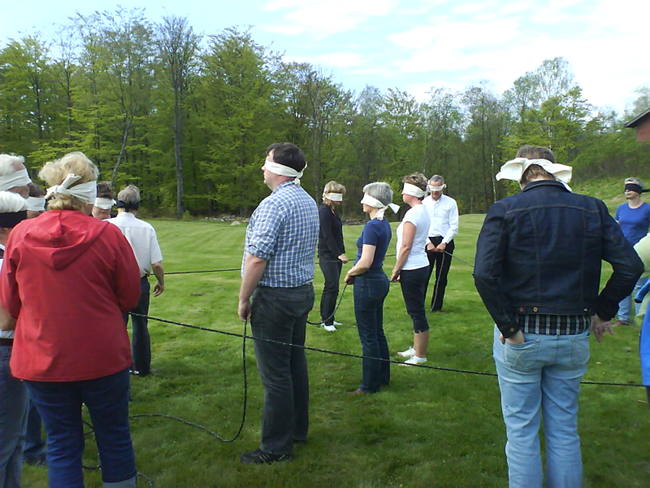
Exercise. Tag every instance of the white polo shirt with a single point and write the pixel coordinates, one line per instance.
(143, 240)
(443, 217)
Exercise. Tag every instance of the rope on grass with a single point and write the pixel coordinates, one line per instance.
(324, 321)
(355, 356)
(147, 479)
(212, 433)
(167, 273)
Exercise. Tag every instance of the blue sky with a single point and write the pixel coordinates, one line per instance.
(414, 45)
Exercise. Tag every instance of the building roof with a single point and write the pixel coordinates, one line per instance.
(639, 119)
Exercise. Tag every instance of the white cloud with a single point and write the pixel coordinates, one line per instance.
(321, 19)
(331, 60)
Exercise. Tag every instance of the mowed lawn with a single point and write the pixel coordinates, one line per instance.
(429, 428)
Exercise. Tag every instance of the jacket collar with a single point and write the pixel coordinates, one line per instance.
(543, 183)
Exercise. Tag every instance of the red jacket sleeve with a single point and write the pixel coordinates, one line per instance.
(9, 296)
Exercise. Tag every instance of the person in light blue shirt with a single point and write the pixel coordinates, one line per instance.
(634, 218)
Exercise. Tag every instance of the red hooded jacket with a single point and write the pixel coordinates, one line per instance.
(67, 278)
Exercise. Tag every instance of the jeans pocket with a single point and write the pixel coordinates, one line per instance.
(520, 356)
(580, 350)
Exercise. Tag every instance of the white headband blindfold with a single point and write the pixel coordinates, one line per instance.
(514, 169)
(19, 178)
(413, 190)
(36, 204)
(373, 202)
(335, 197)
(282, 170)
(437, 187)
(104, 203)
(86, 192)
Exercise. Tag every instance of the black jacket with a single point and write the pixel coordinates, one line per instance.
(540, 251)
(330, 237)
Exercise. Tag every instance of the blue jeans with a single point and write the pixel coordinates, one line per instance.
(34, 444)
(625, 305)
(541, 379)
(13, 415)
(280, 314)
(107, 400)
(370, 290)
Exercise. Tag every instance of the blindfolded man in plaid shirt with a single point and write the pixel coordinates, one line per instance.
(277, 274)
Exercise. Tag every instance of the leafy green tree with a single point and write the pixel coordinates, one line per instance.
(178, 47)
(239, 95)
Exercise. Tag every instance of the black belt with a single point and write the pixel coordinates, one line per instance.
(6, 342)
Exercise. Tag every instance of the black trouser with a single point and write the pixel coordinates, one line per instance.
(331, 269)
(140, 341)
(441, 261)
(281, 314)
(414, 290)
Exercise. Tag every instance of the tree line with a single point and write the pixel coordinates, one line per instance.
(187, 117)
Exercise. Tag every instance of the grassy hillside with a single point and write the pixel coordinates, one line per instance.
(430, 428)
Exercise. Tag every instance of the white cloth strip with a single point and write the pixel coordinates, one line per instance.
(104, 203)
(437, 188)
(413, 190)
(19, 178)
(335, 197)
(36, 204)
(515, 168)
(86, 192)
(373, 202)
(282, 170)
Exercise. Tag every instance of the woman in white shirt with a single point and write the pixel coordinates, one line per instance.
(412, 265)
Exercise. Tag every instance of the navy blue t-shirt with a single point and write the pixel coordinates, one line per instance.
(634, 222)
(376, 233)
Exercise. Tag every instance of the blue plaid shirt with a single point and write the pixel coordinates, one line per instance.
(283, 231)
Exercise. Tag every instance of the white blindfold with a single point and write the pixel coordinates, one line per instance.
(373, 202)
(86, 192)
(413, 190)
(282, 170)
(514, 169)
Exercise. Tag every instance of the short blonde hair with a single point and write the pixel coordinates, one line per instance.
(334, 187)
(54, 172)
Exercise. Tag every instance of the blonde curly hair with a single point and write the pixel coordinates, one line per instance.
(54, 172)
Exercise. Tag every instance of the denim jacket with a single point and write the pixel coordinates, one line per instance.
(540, 252)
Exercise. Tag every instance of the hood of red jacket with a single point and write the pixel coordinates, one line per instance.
(59, 237)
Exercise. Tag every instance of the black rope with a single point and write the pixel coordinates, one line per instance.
(167, 273)
(199, 426)
(324, 321)
(196, 425)
(357, 356)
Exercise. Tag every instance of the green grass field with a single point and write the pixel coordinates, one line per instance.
(429, 428)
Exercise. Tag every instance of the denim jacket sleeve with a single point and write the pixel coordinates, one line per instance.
(491, 249)
(625, 262)
(642, 292)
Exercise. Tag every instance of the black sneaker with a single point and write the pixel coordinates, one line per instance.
(260, 457)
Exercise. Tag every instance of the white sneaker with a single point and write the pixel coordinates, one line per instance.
(409, 353)
(334, 322)
(329, 328)
(415, 360)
